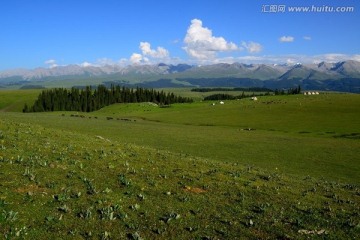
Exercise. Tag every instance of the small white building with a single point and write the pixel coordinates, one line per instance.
(254, 98)
(222, 102)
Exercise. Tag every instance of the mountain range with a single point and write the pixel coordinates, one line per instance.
(340, 76)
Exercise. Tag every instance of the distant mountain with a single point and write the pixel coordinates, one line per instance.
(348, 68)
(235, 70)
(341, 76)
(77, 70)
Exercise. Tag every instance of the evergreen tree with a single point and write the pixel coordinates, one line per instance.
(87, 100)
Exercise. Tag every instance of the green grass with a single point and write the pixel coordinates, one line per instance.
(317, 114)
(300, 135)
(14, 100)
(193, 171)
(60, 184)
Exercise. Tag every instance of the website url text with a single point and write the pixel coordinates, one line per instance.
(306, 9)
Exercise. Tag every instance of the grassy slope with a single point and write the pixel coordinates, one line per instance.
(63, 181)
(61, 184)
(298, 134)
(14, 100)
(302, 135)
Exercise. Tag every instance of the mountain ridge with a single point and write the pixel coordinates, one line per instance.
(285, 75)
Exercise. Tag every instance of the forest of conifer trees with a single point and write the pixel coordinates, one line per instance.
(88, 100)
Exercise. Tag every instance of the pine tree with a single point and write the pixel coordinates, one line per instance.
(87, 100)
(26, 108)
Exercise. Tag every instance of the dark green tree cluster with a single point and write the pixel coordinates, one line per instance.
(220, 96)
(88, 100)
(219, 89)
(296, 90)
(290, 91)
(224, 96)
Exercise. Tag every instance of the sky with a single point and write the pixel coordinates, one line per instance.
(50, 33)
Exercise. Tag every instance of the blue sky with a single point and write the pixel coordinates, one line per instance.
(60, 32)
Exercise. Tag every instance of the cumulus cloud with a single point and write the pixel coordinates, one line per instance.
(286, 39)
(252, 47)
(136, 58)
(51, 63)
(201, 44)
(147, 54)
(146, 50)
(307, 38)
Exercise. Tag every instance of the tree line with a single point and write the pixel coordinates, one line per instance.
(224, 96)
(219, 89)
(290, 91)
(88, 100)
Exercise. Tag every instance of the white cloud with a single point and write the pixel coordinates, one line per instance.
(337, 57)
(286, 39)
(282, 59)
(290, 61)
(160, 52)
(252, 47)
(51, 62)
(250, 59)
(123, 62)
(356, 57)
(201, 44)
(148, 54)
(86, 64)
(297, 58)
(136, 58)
(104, 61)
(307, 38)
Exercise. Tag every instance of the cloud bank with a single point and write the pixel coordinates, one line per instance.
(203, 47)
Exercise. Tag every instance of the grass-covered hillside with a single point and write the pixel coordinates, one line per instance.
(282, 167)
(64, 185)
(303, 135)
(14, 100)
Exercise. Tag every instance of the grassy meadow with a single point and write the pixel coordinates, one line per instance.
(282, 167)
(14, 100)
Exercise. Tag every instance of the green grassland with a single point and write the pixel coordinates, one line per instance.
(14, 100)
(283, 167)
(198, 96)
